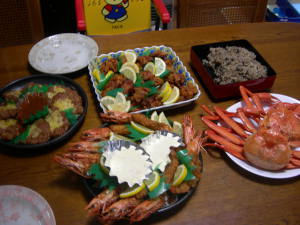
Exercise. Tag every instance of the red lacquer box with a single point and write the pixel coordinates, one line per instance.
(222, 92)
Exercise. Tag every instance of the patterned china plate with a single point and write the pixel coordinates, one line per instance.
(23, 206)
(62, 53)
(282, 174)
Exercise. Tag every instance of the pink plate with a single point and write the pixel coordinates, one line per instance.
(23, 206)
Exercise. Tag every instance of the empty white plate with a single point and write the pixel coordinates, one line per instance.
(62, 53)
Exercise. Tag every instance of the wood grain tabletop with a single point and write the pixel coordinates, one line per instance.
(226, 194)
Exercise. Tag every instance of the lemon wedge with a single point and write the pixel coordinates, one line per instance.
(174, 96)
(115, 137)
(132, 65)
(180, 174)
(163, 119)
(166, 87)
(160, 66)
(107, 100)
(167, 94)
(120, 98)
(132, 191)
(177, 128)
(153, 181)
(129, 73)
(141, 128)
(130, 56)
(150, 67)
(154, 116)
(120, 107)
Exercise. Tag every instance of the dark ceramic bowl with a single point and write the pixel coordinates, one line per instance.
(48, 79)
(222, 92)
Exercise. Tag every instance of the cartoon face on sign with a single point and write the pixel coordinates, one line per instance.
(115, 10)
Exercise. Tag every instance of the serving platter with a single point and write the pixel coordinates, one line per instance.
(21, 205)
(175, 200)
(178, 67)
(48, 79)
(282, 174)
(62, 53)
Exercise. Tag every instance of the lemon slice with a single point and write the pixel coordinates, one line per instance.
(153, 181)
(120, 98)
(132, 191)
(177, 128)
(160, 66)
(154, 116)
(115, 137)
(129, 73)
(107, 100)
(132, 65)
(150, 67)
(180, 174)
(167, 94)
(165, 88)
(163, 119)
(130, 56)
(120, 107)
(141, 128)
(103, 167)
(174, 96)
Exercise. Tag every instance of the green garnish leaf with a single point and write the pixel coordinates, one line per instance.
(103, 83)
(96, 172)
(72, 118)
(153, 90)
(114, 92)
(164, 74)
(119, 65)
(134, 134)
(186, 159)
(160, 189)
(35, 89)
(37, 115)
(22, 137)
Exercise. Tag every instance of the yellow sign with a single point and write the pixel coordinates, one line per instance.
(107, 17)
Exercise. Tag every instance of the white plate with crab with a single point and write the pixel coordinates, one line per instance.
(281, 174)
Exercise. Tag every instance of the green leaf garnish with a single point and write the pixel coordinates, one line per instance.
(103, 82)
(164, 74)
(153, 90)
(160, 189)
(96, 172)
(134, 134)
(186, 159)
(22, 137)
(119, 65)
(37, 115)
(114, 92)
(72, 118)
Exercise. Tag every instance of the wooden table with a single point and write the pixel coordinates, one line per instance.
(226, 193)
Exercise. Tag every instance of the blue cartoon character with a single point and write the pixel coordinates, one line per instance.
(115, 10)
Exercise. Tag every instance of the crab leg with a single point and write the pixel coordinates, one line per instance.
(248, 124)
(222, 131)
(230, 122)
(227, 145)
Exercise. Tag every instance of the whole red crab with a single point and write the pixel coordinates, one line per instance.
(264, 137)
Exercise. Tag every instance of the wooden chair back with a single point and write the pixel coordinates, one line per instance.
(20, 22)
(191, 13)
